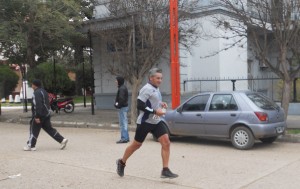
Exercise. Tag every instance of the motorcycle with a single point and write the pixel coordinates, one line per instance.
(56, 105)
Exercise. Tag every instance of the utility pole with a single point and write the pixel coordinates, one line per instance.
(24, 85)
(133, 43)
(92, 70)
(174, 53)
(84, 86)
(54, 80)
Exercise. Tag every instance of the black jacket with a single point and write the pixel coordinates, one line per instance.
(40, 103)
(122, 94)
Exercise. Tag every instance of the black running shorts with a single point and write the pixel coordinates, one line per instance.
(143, 129)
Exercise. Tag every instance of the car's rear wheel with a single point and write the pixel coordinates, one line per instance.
(268, 140)
(242, 138)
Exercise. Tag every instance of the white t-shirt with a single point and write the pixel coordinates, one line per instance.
(152, 98)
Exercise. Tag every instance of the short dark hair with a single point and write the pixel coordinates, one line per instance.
(37, 82)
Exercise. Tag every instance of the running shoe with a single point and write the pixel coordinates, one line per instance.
(166, 173)
(120, 167)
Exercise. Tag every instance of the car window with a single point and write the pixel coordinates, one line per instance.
(198, 103)
(262, 101)
(221, 102)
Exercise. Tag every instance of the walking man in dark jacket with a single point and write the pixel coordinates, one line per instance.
(41, 118)
(121, 103)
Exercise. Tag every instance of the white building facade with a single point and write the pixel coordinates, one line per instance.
(207, 61)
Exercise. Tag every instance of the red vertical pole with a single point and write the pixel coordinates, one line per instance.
(174, 53)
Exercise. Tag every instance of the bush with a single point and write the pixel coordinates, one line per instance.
(8, 81)
(86, 81)
(70, 90)
(45, 72)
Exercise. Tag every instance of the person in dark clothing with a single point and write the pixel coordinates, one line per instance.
(41, 118)
(121, 103)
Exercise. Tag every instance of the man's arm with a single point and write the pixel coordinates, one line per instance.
(143, 107)
(38, 104)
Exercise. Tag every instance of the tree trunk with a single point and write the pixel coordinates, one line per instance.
(135, 89)
(30, 55)
(286, 93)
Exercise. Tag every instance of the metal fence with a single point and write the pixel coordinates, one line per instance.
(271, 87)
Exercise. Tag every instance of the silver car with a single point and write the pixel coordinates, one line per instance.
(239, 116)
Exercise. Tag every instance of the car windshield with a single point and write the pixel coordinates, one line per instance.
(262, 101)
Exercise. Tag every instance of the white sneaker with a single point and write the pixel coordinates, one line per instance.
(63, 143)
(28, 148)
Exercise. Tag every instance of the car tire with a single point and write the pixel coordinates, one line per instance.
(268, 140)
(242, 138)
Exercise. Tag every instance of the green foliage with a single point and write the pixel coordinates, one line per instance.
(84, 80)
(39, 27)
(293, 131)
(45, 72)
(8, 81)
(80, 99)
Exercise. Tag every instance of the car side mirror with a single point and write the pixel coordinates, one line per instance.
(179, 110)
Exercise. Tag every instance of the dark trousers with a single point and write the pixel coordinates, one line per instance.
(35, 129)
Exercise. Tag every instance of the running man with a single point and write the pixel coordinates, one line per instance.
(151, 107)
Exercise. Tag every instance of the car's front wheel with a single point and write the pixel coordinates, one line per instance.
(268, 140)
(242, 138)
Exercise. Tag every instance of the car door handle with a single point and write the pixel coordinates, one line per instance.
(199, 115)
(233, 115)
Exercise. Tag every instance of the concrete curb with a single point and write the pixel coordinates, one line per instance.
(292, 138)
(75, 124)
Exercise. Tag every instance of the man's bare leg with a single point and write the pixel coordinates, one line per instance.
(130, 150)
(165, 149)
(165, 154)
(121, 163)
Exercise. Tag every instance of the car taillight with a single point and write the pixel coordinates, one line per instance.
(261, 116)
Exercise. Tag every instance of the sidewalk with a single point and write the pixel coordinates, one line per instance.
(81, 117)
(106, 119)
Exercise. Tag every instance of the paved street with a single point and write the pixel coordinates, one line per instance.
(89, 162)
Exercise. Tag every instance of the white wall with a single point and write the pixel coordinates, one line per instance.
(101, 10)
(231, 63)
(105, 86)
(29, 91)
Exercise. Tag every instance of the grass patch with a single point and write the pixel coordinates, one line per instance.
(79, 99)
(293, 131)
(7, 104)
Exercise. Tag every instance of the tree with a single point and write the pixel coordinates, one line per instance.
(142, 38)
(84, 79)
(45, 71)
(272, 28)
(8, 81)
(31, 31)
